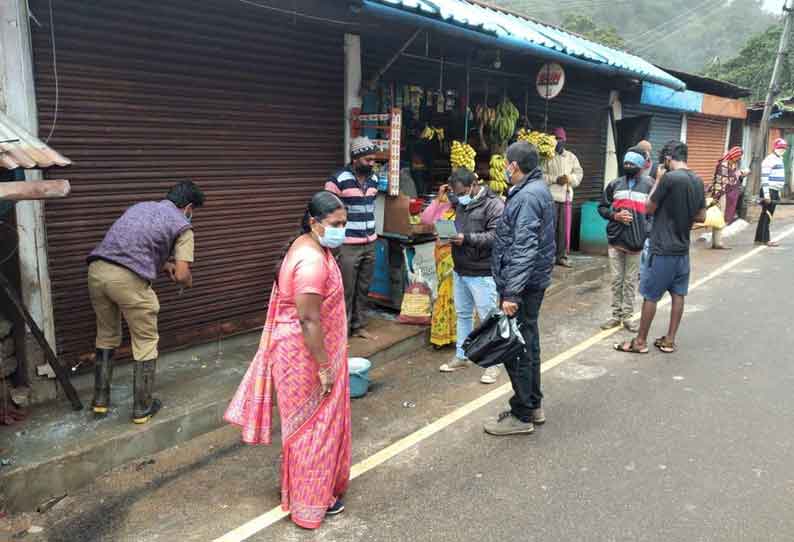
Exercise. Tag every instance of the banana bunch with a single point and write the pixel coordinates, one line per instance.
(545, 143)
(462, 155)
(505, 123)
(498, 184)
(484, 115)
(430, 133)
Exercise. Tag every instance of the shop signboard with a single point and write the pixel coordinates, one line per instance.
(394, 151)
(550, 80)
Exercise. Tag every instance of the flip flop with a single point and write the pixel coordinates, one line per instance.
(664, 346)
(630, 348)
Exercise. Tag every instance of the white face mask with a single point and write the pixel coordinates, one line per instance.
(780, 152)
(333, 237)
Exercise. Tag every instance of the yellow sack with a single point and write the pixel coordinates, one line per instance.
(714, 218)
(417, 305)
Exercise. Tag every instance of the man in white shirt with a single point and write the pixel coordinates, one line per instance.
(563, 173)
(773, 179)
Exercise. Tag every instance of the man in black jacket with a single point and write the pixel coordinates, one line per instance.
(477, 213)
(522, 261)
(623, 205)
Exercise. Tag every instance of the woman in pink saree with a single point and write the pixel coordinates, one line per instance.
(302, 357)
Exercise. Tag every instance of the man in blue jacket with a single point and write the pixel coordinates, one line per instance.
(522, 260)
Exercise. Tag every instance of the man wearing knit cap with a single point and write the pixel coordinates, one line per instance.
(623, 204)
(563, 173)
(357, 186)
(773, 179)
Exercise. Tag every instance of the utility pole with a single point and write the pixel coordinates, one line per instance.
(759, 146)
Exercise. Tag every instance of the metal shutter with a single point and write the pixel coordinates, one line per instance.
(665, 125)
(245, 101)
(582, 111)
(706, 138)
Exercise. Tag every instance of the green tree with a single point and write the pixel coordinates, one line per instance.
(677, 34)
(587, 27)
(752, 67)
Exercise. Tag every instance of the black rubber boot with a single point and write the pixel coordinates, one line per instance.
(103, 375)
(144, 406)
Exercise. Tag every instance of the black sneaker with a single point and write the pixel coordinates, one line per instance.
(336, 509)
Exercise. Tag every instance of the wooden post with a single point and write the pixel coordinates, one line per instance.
(759, 147)
(19, 96)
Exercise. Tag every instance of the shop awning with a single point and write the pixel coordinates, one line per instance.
(19, 148)
(478, 21)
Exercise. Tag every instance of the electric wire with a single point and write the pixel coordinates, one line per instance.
(55, 74)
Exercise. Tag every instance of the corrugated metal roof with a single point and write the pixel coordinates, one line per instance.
(19, 148)
(510, 27)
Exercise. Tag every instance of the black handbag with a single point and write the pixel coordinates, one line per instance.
(497, 340)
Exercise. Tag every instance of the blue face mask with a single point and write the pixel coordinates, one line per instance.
(508, 177)
(333, 237)
(464, 200)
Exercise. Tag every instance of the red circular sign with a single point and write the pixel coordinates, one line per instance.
(550, 80)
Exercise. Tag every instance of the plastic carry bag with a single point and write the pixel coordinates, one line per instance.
(496, 340)
(714, 218)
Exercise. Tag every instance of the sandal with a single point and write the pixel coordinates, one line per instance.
(630, 347)
(665, 346)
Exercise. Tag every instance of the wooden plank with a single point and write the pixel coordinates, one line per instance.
(34, 190)
(60, 370)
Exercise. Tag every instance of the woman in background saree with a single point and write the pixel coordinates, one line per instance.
(443, 324)
(302, 357)
(725, 190)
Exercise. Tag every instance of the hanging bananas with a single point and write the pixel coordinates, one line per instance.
(545, 143)
(430, 133)
(498, 183)
(462, 155)
(504, 124)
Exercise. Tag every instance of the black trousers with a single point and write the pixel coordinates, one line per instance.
(762, 234)
(561, 237)
(525, 371)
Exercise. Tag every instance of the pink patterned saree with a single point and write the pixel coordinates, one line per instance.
(316, 438)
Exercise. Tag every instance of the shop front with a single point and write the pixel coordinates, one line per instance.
(458, 83)
(246, 102)
(708, 116)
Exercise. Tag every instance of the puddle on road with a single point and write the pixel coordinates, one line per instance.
(576, 371)
(690, 309)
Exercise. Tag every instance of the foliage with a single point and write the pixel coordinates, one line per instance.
(587, 27)
(686, 35)
(752, 67)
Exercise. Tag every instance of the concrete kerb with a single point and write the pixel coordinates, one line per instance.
(25, 486)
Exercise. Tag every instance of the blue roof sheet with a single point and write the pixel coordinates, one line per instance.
(512, 28)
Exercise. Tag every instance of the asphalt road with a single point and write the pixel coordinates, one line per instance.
(694, 446)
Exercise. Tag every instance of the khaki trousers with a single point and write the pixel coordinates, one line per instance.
(115, 292)
(625, 269)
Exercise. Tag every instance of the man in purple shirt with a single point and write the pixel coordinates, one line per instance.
(150, 237)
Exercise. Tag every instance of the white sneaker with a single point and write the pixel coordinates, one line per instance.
(454, 365)
(490, 375)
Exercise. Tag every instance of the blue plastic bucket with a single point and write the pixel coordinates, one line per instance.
(359, 376)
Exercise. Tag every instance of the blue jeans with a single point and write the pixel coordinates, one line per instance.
(471, 293)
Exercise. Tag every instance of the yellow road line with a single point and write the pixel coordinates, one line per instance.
(267, 519)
